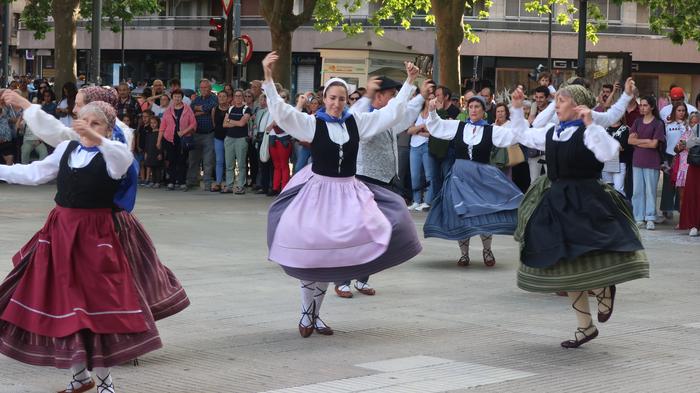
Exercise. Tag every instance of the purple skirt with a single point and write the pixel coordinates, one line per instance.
(159, 286)
(332, 229)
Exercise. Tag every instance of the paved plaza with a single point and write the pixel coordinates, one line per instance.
(432, 327)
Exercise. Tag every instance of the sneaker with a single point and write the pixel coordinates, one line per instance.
(423, 207)
(414, 206)
(171, 186)
(183, 187)
(156, 185)
(650, 225)
(693, 232)
(660, 218)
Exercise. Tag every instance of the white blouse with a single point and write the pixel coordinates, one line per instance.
(548, 117)
(117, 156)
(302, 126)
(596, 139)
(413, 109)
(52, 131)
(502, 136)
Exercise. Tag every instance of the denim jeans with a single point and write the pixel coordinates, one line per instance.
(303, 154)
(421, 160)
(201, 156)
(236, 153)
(220, 154)
(645, 181)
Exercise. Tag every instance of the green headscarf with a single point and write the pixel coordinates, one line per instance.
(579, 94)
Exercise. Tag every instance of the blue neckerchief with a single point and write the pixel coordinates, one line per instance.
(90, 149)
(125, 198)
(321, 114)
(568, 124)
(372, 109)
(481, 122)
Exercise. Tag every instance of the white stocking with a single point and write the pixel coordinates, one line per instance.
(579, 302)
(307, 303)
(319, 295)
(81, 376)
(464, 246)
(104, 380)
(486, 241)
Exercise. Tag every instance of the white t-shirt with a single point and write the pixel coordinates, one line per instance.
(665, 112)
(674, 131)
(418, 140)
(67, 120)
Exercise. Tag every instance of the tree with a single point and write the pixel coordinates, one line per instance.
(65, 15)
(282, 22)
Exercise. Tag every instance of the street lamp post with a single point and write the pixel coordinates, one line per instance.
(5, 44)
(95, 47)
(121, 69)
(582, 21)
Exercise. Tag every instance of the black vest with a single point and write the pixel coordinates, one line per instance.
(481, 152)
(326, 154)
(84, 188)
(571, 159)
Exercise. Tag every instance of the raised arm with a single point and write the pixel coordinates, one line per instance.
(519, 130)
(615, 113)
(546, 118)
(597, 139)
(45, 126)
(440, 128)
(300, 125)
(504, 136)
(38, 172)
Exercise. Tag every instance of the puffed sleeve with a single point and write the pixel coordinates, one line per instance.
(612, 115)
(504, 136)
(441, 128)
(46, 127)
(602, 144)
(547, 117)
(298, 124)
(118, 157)
(38, 172)
(532, 137)
(370, 124)
(413, 109)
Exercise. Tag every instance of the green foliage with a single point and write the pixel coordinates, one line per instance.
(569, 16)
(36, 12)
(677, 19)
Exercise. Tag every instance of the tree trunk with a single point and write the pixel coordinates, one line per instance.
(450, 34)
(282, 43)
(65, 13)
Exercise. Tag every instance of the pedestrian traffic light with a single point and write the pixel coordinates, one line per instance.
(217, 31)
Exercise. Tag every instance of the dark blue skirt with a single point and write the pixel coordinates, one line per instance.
(476, 199)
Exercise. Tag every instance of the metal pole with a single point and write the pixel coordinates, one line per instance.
(583, 13)
(228, 37)
(122, 75)
(95, 52)
(549, 42)
(5, 44)
(237, 35)
(436, 61)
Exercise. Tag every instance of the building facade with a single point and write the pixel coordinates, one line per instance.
(512, 43)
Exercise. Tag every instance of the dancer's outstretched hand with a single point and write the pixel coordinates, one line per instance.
(584, 113)
(10, 97)
(427, 88)
(268, 64)
(630, 86)
(434, 104)
(517, 98)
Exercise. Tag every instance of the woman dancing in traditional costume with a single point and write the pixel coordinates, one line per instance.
(71, 301)
(164, 294)
(476, 198)
(576, 233)
(326, 225)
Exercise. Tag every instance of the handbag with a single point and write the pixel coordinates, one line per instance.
(515, 155)
(265, 148)
(499, 157)
(187, 142)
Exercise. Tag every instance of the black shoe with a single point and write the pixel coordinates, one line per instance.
(261, 192)
(604, 316)
(273, 193)
(580, 332)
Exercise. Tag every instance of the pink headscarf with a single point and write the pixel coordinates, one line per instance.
(98, 93)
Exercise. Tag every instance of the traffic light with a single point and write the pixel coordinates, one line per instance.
(218, 33)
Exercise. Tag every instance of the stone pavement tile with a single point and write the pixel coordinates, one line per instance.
(240, 334)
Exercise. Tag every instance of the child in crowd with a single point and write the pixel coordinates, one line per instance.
(153, 159)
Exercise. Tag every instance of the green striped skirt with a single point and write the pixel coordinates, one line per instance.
(596, 269)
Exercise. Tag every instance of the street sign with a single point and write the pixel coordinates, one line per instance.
(227, 4)
(246, 49)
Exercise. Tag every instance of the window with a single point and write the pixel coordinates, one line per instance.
(516, 9)
(610, 10)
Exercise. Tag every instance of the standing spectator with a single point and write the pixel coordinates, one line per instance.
(30, 144)
(48, 102)
(645, 136)
(441, 151)
(126, 105)
(421, 161)
(675, 128)
(263, 124)
(690, 205)
(680, 168)
(256, 89)
(545, 79)
(140, 136)
(615, 171)
(153, 156)
(280, 151)
(535, 158)
(228, 88)
(178, 121)
(7, 144)
(677, 96)
(235, 144)
(144, 100)
(176, 85)
(603, 98)
(64, 110)
(253, 151)
(202, 153)
(157, 109)
(218, 115)
(302, 150)
(487, 94)
(158, 89)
